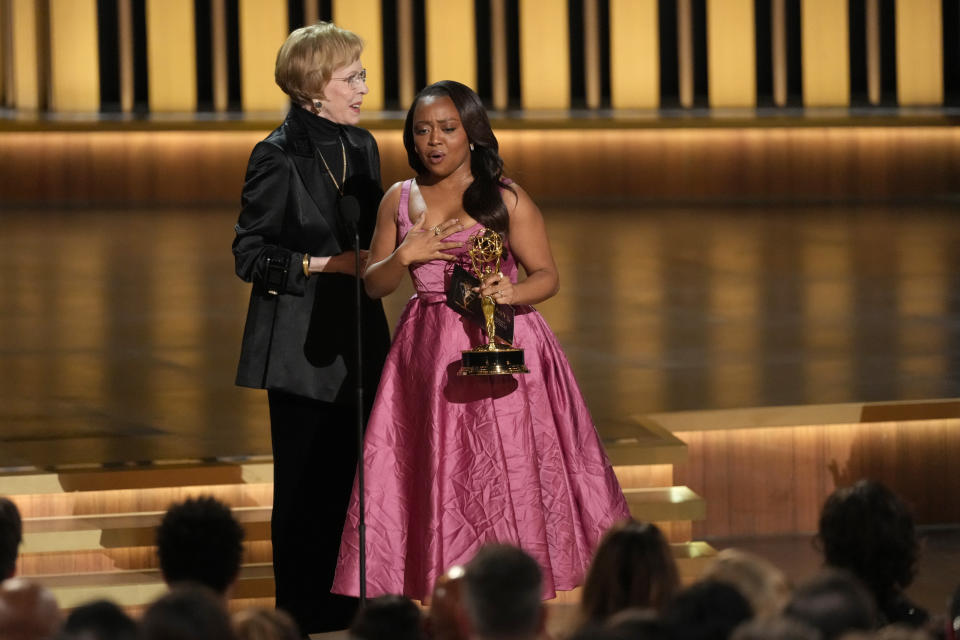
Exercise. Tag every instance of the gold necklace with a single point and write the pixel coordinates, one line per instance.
(343, 178)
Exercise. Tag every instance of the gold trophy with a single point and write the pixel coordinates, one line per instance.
(490, 359)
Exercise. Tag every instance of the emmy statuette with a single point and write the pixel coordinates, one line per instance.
(490, 359)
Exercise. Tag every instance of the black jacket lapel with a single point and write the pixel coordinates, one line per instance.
(314, 178)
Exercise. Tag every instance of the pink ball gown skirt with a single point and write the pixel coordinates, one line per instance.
(452, 463)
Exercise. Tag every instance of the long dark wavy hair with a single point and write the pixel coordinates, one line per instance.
(482, 198)
(632, 567)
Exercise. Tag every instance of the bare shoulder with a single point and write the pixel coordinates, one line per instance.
(518, 201)
(391, 199)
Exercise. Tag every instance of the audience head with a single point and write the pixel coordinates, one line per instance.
(28, 611)
(953, 616)
(99, 620)
(446, 607)
(706, 610)
(636, 623)
(775, 628)
(11, 535)
(188, 612)
(834, 602)
(501, 595)
(258, 623)
(632, 567)
(389, 617)
(867, 530)
(761, 582)
(200, 541)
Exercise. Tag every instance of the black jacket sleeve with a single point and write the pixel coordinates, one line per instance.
(260, 226)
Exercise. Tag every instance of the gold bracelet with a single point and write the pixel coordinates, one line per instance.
(306, 265)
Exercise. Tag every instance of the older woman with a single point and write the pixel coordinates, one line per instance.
(297, 249)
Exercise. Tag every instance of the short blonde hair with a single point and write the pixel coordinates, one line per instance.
(308, 58)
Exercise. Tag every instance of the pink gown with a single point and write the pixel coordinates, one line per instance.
(454, 462)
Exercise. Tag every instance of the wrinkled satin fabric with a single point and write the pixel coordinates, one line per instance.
(451, 463)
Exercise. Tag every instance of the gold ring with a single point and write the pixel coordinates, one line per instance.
(436, 230)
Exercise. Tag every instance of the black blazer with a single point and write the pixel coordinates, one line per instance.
(303, 340)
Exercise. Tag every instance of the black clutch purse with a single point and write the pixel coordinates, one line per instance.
(464, 300)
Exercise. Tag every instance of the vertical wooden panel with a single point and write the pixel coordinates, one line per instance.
(634, 54)
(451, 58)
(544, 55)
(498, 54)
(263, 28)
(406, 82)
(919, 52)
(125, 45)
(685, 52)
(778, 51)
(873, 51)
(171, 55)
(6, 69)
(26, 85)
(826, 53)
(218, 46)
(363, 17)
(591, 52)
(731, 53)
(74, 60)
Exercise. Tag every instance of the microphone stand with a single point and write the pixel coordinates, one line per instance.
(350, 210)
(362, 523)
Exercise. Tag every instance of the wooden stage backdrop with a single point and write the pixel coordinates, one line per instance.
(565, 160)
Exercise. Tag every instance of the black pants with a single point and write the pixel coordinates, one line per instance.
(314, 462)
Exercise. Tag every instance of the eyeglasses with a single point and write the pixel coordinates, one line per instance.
(355, 79)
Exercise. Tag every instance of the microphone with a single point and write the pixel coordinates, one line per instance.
(350, 211)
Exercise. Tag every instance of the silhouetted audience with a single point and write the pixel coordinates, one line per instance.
(775, 628)
(501, 595)
(760, 581)
(632, 567)
(11, 535)
(637, 624)
(867, 530)
(199, 541)
(389, 617)
(187, 612)
(257, 623)
(98, 620)
(834, 602)
(706, 610)
(28, 611)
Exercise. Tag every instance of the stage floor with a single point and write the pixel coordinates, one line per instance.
(120, 329)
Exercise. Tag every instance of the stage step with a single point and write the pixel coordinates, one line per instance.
(140, 587)
(665, 504)
(136, 588)
(89, 532)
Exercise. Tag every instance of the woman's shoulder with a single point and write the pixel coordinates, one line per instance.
(391, 199)
(359, 136)
(512, 193)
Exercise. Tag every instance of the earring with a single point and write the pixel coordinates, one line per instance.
(317, 105)
(471, 146)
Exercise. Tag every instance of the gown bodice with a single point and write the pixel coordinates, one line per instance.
(432, 278)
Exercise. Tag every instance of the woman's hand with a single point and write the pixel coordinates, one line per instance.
(499, 287)
(346, 262)
(424, 245)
